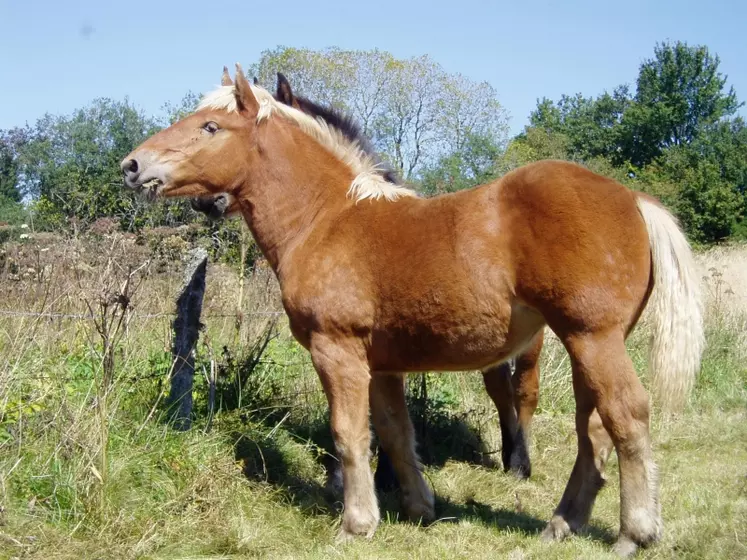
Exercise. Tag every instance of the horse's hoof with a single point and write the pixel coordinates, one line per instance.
(557, 530)
(420, 511)
(343, 537)
(523, 471)
(624, 547)
(357, 523)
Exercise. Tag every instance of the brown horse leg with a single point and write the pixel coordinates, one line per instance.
(497, 380)
(385, 479)
(587, 477)
(526, 395)
(511, 395)
(397, 436)
(603, 376)
(345, 376)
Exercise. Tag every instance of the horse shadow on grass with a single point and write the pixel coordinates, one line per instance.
(440, 436)
(266, 460)
(505, 519)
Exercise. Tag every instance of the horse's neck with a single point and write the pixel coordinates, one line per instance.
(298, 188)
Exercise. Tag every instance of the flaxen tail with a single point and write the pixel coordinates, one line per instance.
(675, 306)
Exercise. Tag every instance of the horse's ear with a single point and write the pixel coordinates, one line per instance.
(285, 93)
(225, 79)
(256, 81)
(245, 99)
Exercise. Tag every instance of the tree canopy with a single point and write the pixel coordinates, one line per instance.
(413, 110)
(677, 134)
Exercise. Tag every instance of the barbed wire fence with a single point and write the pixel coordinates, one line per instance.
(134, 313)
(186, 324)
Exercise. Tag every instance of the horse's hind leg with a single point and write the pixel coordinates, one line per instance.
(498, 384)
(397, 437)
(526, 395)
(385, 479)
(587, 477)
(603, 377)
(511, 395)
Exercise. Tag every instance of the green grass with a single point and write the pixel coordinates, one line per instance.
(183, 495)
(253, 486)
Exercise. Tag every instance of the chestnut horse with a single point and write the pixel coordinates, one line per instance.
(378, 282)
(515, 396)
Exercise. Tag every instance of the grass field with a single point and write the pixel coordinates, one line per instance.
(89, 469)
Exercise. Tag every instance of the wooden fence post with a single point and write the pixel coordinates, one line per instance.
(186, 331)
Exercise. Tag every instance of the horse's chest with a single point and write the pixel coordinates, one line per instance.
(344, 311)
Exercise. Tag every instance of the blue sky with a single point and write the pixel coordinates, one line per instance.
(57, 56)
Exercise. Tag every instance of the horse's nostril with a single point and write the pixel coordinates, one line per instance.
(130, 166)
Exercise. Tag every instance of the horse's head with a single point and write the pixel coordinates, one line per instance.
(225, 205)
(209, 151)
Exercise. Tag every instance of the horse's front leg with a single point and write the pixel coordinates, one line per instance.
(343, 370)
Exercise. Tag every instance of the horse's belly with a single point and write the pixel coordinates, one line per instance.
(473, 343)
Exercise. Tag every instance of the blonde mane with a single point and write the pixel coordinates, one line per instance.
(368, 181)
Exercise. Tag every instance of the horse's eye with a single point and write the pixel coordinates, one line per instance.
(211, 127)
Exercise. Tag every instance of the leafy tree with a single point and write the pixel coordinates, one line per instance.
(177, 111)
(474, 163)
(413, 110)
(704, 181)
(71, 164)
(676, 137)
(681, 125)
(680, 93)
(708, 205)
(11, 142)
(725, 143)
(534, 144)
(591, 126)
(325, 76)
